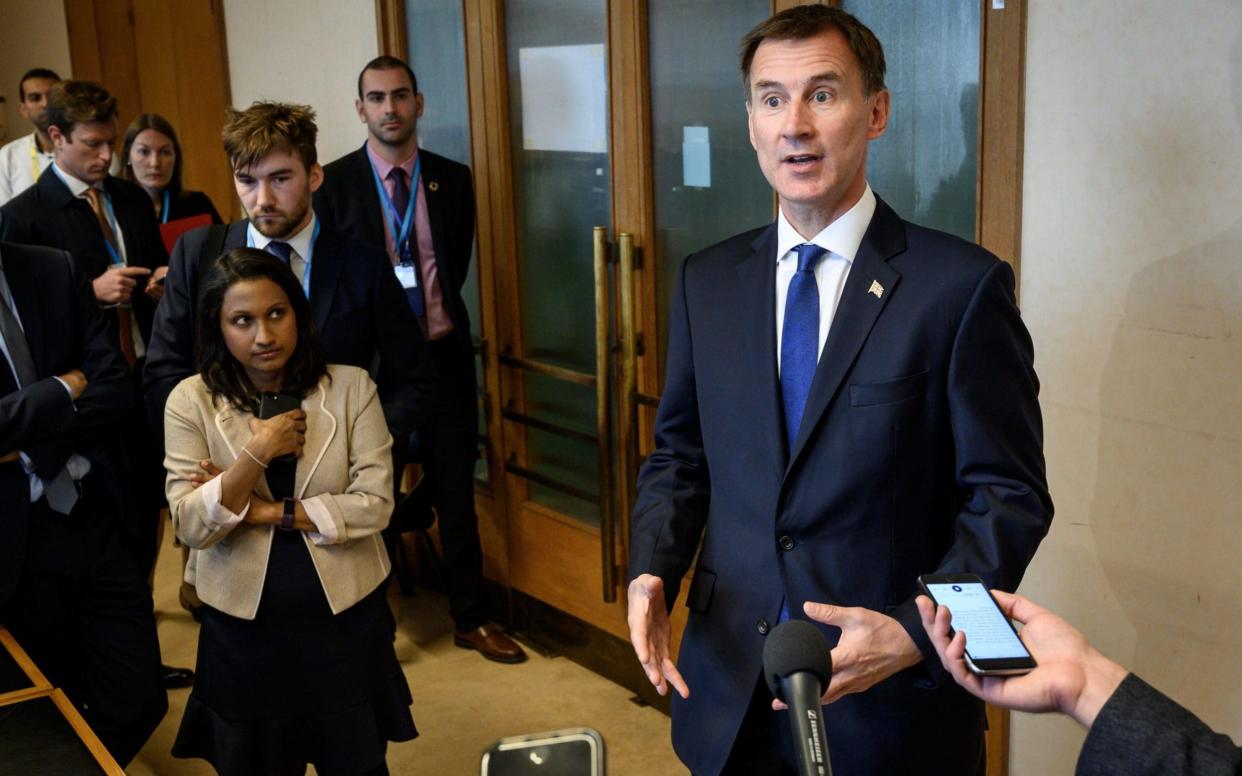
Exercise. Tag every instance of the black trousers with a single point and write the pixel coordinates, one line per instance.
(450, 448)
(764, 743)
(83, 612)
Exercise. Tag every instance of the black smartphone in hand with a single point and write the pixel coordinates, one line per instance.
(273, 404)
(992, 644)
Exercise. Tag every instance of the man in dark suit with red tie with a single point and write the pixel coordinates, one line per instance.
(70, 590)
(419, 207)
(849, 402)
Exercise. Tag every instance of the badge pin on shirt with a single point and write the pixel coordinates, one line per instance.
(876, 289)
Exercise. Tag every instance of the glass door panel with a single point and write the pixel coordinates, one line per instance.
(926, 164)
(558, 108)
(437, 55)
(708, 185)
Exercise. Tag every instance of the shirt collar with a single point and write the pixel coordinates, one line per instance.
(34, 141)
(76, 187)
(300, 242)
(382, 168)
(841, 238)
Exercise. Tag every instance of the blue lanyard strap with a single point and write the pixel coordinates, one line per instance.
(306, 273)
(116, 231)
(164, 210)
(402, 233)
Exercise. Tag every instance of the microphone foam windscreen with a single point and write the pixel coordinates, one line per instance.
(795, 645)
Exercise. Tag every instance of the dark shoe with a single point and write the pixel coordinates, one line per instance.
(173, 678)
(491, 643)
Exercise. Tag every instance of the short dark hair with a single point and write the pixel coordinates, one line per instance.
(34, 72)
(223, 375)
(77, 102)
(141, 123)
(264, 127)
(806, 21)
(385, 62)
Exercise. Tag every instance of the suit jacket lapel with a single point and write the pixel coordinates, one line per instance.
(855, 316)
(325, 272)
(30, 299)
(430, 184)
(369, 200)
(321, 427)
(757, 315)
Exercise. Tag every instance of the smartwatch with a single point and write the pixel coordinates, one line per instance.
(286, 517)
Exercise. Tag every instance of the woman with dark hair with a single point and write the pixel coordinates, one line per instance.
(152, 156)
(282, 509)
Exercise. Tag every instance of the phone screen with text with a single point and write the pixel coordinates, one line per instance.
(989, 636)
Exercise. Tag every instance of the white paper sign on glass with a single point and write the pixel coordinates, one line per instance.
(696, 157)
(564, 98)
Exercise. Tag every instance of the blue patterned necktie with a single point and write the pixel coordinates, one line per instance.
(281, 250)
(800, 338)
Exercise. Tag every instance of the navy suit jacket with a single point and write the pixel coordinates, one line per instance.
(356, 300)
(65, 331)
(48, 214)
(349, 202)
(920, 451)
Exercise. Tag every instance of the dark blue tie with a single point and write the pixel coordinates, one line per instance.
(800, 338)
(405, 251)
(281, 250)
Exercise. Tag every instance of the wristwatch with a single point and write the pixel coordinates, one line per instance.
(286, 517)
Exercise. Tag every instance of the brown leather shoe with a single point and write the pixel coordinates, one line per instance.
(491, 643)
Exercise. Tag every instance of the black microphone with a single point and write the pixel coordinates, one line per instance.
(797, 666)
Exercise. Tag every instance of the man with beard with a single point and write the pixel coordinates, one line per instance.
(419, 208)
(359, 308)
(22, 160)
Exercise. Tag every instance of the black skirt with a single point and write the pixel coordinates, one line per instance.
(297, 684)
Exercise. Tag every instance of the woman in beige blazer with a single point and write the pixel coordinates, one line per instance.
(283, 517)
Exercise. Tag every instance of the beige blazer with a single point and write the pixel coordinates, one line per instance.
(346, 468)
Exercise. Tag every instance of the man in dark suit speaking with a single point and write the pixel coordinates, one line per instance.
(849, 402)
(356, 301)
(419, 208)
(71, 591)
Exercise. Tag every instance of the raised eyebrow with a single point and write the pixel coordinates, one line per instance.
(827, 77)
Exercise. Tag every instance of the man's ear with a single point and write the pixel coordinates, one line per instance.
(358, 107)
(418, 105)
(315, 177)
(56, 135)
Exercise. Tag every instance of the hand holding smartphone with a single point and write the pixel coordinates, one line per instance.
(992, 644)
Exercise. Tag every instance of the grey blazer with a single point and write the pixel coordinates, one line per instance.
(345, 472)
(1140, 732)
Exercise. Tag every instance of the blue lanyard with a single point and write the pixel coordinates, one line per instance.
(399, 235)
(164, 210)
(307, 258)
(116, 231)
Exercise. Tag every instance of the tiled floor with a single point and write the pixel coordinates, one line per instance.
(462, 702)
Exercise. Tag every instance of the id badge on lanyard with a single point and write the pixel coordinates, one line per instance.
(407, 274)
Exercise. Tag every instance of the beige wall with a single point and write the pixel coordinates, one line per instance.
(32, 34)
(1132, 287)
(306, 51)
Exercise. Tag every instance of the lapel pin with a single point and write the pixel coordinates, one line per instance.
(876, 289)
(433, 185)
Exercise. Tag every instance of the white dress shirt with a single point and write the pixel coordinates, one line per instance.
(841, 239)
(21, 163)
(300, 243)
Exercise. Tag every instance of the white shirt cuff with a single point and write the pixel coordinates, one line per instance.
(318, 513)
(218, 515)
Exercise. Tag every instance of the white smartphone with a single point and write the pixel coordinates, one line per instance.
(992, 645)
